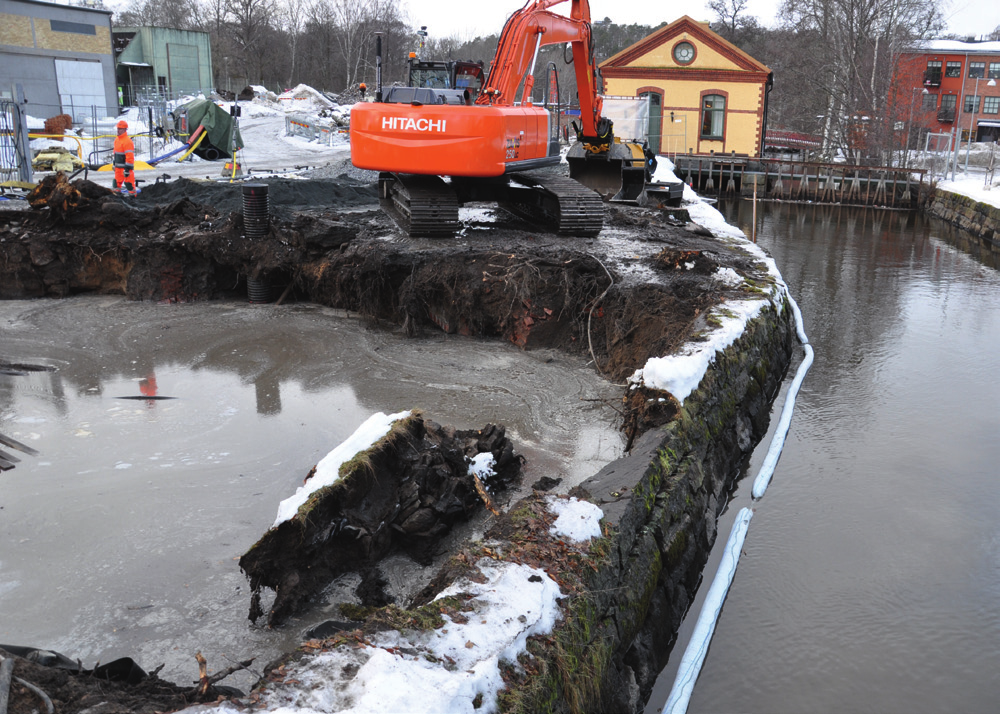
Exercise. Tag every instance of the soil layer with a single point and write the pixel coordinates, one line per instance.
(641, 289)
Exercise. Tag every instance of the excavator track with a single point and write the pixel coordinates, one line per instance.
(422, 206)
(558, 203)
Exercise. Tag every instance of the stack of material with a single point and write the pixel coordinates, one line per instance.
(56, 158)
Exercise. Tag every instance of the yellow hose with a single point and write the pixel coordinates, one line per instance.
(193, 147)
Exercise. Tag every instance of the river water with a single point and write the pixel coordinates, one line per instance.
(120, 538)
(870, 576)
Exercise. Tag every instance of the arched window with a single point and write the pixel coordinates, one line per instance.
(713, 116)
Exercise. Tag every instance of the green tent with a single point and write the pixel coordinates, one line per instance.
(223, 134)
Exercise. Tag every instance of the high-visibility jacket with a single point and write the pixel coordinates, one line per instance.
(124, 153)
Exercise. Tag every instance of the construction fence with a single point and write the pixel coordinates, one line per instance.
(15, 151)
(324, 133)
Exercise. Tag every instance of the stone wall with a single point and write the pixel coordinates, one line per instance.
(662, 503)
(979, 219)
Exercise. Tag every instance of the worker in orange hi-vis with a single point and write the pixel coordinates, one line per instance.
(124, 161)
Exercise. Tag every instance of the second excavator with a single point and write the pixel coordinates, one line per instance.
(437, 149)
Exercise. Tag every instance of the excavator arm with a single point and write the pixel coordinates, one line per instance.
(526, 31)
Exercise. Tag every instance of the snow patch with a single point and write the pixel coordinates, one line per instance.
(577, 520)
(328, 469)
(441, 671)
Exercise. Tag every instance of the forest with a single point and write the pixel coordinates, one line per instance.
(833, 60)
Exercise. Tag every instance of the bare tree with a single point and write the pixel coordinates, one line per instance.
(179, 14)
(250, 23)
(356, 22)
(729, 13)
(856, 46)
(293, 18)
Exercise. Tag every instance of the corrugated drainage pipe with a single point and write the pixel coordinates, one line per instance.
(255, 225)
(255, 210)
(258, 290)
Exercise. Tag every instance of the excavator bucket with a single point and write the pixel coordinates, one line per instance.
(619, 175)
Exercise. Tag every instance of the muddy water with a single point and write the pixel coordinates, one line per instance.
(121, 537)
(870, 579)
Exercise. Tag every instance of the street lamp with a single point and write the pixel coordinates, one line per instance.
(972, 117)
(909, 123)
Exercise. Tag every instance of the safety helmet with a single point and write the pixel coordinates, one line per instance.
(122, 124)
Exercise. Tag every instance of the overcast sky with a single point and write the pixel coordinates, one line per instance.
(469, 18)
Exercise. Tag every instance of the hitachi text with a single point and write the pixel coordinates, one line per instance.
(411, 124)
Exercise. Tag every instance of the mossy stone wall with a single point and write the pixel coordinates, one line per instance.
(980, 219)
(662, 503)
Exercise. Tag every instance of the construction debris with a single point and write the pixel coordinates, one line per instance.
(56, 158)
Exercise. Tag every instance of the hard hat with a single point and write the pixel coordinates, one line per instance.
(122, 124)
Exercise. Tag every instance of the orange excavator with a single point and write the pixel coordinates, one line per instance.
(437, 149)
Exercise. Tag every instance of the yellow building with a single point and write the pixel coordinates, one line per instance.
(706, 95)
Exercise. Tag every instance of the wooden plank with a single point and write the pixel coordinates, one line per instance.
(9, 457)
(5, 465)
(15, 444)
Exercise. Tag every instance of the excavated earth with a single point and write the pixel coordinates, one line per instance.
(642, 288)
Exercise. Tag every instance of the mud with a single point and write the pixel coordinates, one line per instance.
(641, 289)
(117, 688)
(405, 494)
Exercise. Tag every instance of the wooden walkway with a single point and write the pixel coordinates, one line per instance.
(801, 181)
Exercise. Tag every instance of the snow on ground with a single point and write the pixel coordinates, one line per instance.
(302, 101)
(328, 469)
(681, 373)
(975, 187)
(577, 520)
(454, 669)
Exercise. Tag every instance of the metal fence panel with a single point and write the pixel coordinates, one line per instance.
(15, 152)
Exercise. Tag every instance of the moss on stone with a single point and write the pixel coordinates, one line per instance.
(675, 549)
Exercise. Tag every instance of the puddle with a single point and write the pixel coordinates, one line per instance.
(167, 436)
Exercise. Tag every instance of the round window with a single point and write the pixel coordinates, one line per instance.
(684, 52)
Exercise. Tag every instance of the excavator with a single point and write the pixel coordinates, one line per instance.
(436, 149)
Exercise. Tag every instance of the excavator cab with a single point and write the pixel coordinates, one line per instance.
(432, 75)
(445, 75)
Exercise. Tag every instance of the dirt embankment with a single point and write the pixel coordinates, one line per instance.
(641, 289)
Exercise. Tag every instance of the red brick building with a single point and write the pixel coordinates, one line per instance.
(944, 84)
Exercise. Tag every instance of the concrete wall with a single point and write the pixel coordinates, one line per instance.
(35, 35)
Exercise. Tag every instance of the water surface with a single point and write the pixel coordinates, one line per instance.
(870, 579)
(121, 537)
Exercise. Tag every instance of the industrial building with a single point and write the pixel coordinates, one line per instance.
(62, 57)
(707, 96)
